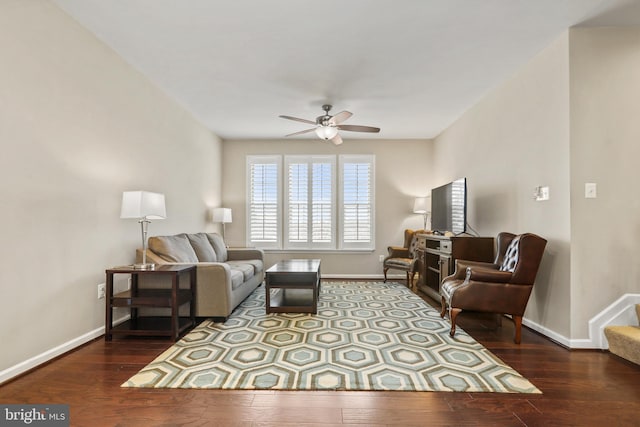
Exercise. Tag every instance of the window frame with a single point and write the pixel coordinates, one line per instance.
(357, 158)
(309, 160)
(264, 159)
(337, 216)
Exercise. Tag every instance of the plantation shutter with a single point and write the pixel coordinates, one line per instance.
(298, 206)
(263, 210)
(309, 202)
(322, 203)
(357, 202)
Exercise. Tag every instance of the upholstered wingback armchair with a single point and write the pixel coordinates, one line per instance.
(501, 287)
(403, 257)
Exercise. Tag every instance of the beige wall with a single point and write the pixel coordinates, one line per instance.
(515, 139)
(605, 146)
(403, 171)
(77, 127)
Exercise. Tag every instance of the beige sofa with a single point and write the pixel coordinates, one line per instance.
(224, 277)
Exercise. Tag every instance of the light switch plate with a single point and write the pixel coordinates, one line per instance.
(541, 193)
(590, 191)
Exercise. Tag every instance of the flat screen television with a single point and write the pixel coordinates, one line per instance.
(449, 207)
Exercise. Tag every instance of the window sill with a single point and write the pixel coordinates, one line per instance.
(314, 251)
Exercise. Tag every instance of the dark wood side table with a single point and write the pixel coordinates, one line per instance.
(135, 298)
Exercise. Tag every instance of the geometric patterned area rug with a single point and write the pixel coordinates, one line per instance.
(366, 336)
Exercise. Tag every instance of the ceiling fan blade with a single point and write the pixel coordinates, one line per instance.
(301, 132)
(337, 140)
(356, 128)
(340, 117)
(298, 119)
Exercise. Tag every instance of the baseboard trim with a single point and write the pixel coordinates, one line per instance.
(548, 333)
(51, 354)
(619, 313)
(48, 355)
(402, 277)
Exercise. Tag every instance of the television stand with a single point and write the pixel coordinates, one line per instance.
(437, 257)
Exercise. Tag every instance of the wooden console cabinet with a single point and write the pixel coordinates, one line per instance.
(437, 257)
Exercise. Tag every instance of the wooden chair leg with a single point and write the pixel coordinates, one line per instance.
(412, 286)
(444, 307)
(453, 314)
(408, 280)
(517, 320)
(384, 271)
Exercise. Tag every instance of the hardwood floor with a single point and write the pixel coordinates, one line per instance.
(580, 388)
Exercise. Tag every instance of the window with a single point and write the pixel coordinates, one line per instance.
(309, 202)
(356, 218)
(315, 213)
(263, 210)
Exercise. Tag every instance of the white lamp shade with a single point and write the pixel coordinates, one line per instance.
(326, 132)
(221, 215)
(143, 204)
(421, 205)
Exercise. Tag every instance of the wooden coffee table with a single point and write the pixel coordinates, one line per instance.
(293, 286)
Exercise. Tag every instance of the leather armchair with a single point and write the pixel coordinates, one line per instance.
(502, 287)
(403, 257)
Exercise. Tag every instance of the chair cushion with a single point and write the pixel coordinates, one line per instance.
(399, 263)
(173, 248)
(202, 247)
(511, 256)
(218, 246)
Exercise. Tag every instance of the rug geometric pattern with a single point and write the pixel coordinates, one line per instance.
(366, 336)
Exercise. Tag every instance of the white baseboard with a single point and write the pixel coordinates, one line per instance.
(620, 313)
(35, 361)
(50, 354)
(552, 335)
(402, 277)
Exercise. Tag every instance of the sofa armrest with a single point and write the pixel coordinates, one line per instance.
(238, 254)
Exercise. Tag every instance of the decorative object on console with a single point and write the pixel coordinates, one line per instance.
(327, 126)
(422, 205)
(501, 287)
(222, 215)
(144, 206)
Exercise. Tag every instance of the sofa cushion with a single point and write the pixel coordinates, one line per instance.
(173, 248)
(218, 246)
(245, 268)
(201, 246)
(257, 264)
(237, 278)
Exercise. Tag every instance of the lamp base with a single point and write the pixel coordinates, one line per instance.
(146, 266)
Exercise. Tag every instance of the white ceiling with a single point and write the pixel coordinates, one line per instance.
(410, 67)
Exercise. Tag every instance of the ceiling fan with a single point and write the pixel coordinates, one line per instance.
(327, 126)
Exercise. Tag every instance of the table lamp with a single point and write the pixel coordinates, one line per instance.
(421, 206)
(144, 206)
(222, 215)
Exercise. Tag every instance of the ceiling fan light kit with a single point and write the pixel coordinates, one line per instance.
(326, 132)
(327, 126)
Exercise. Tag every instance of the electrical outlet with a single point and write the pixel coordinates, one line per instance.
(381, 258)
(101, 290)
